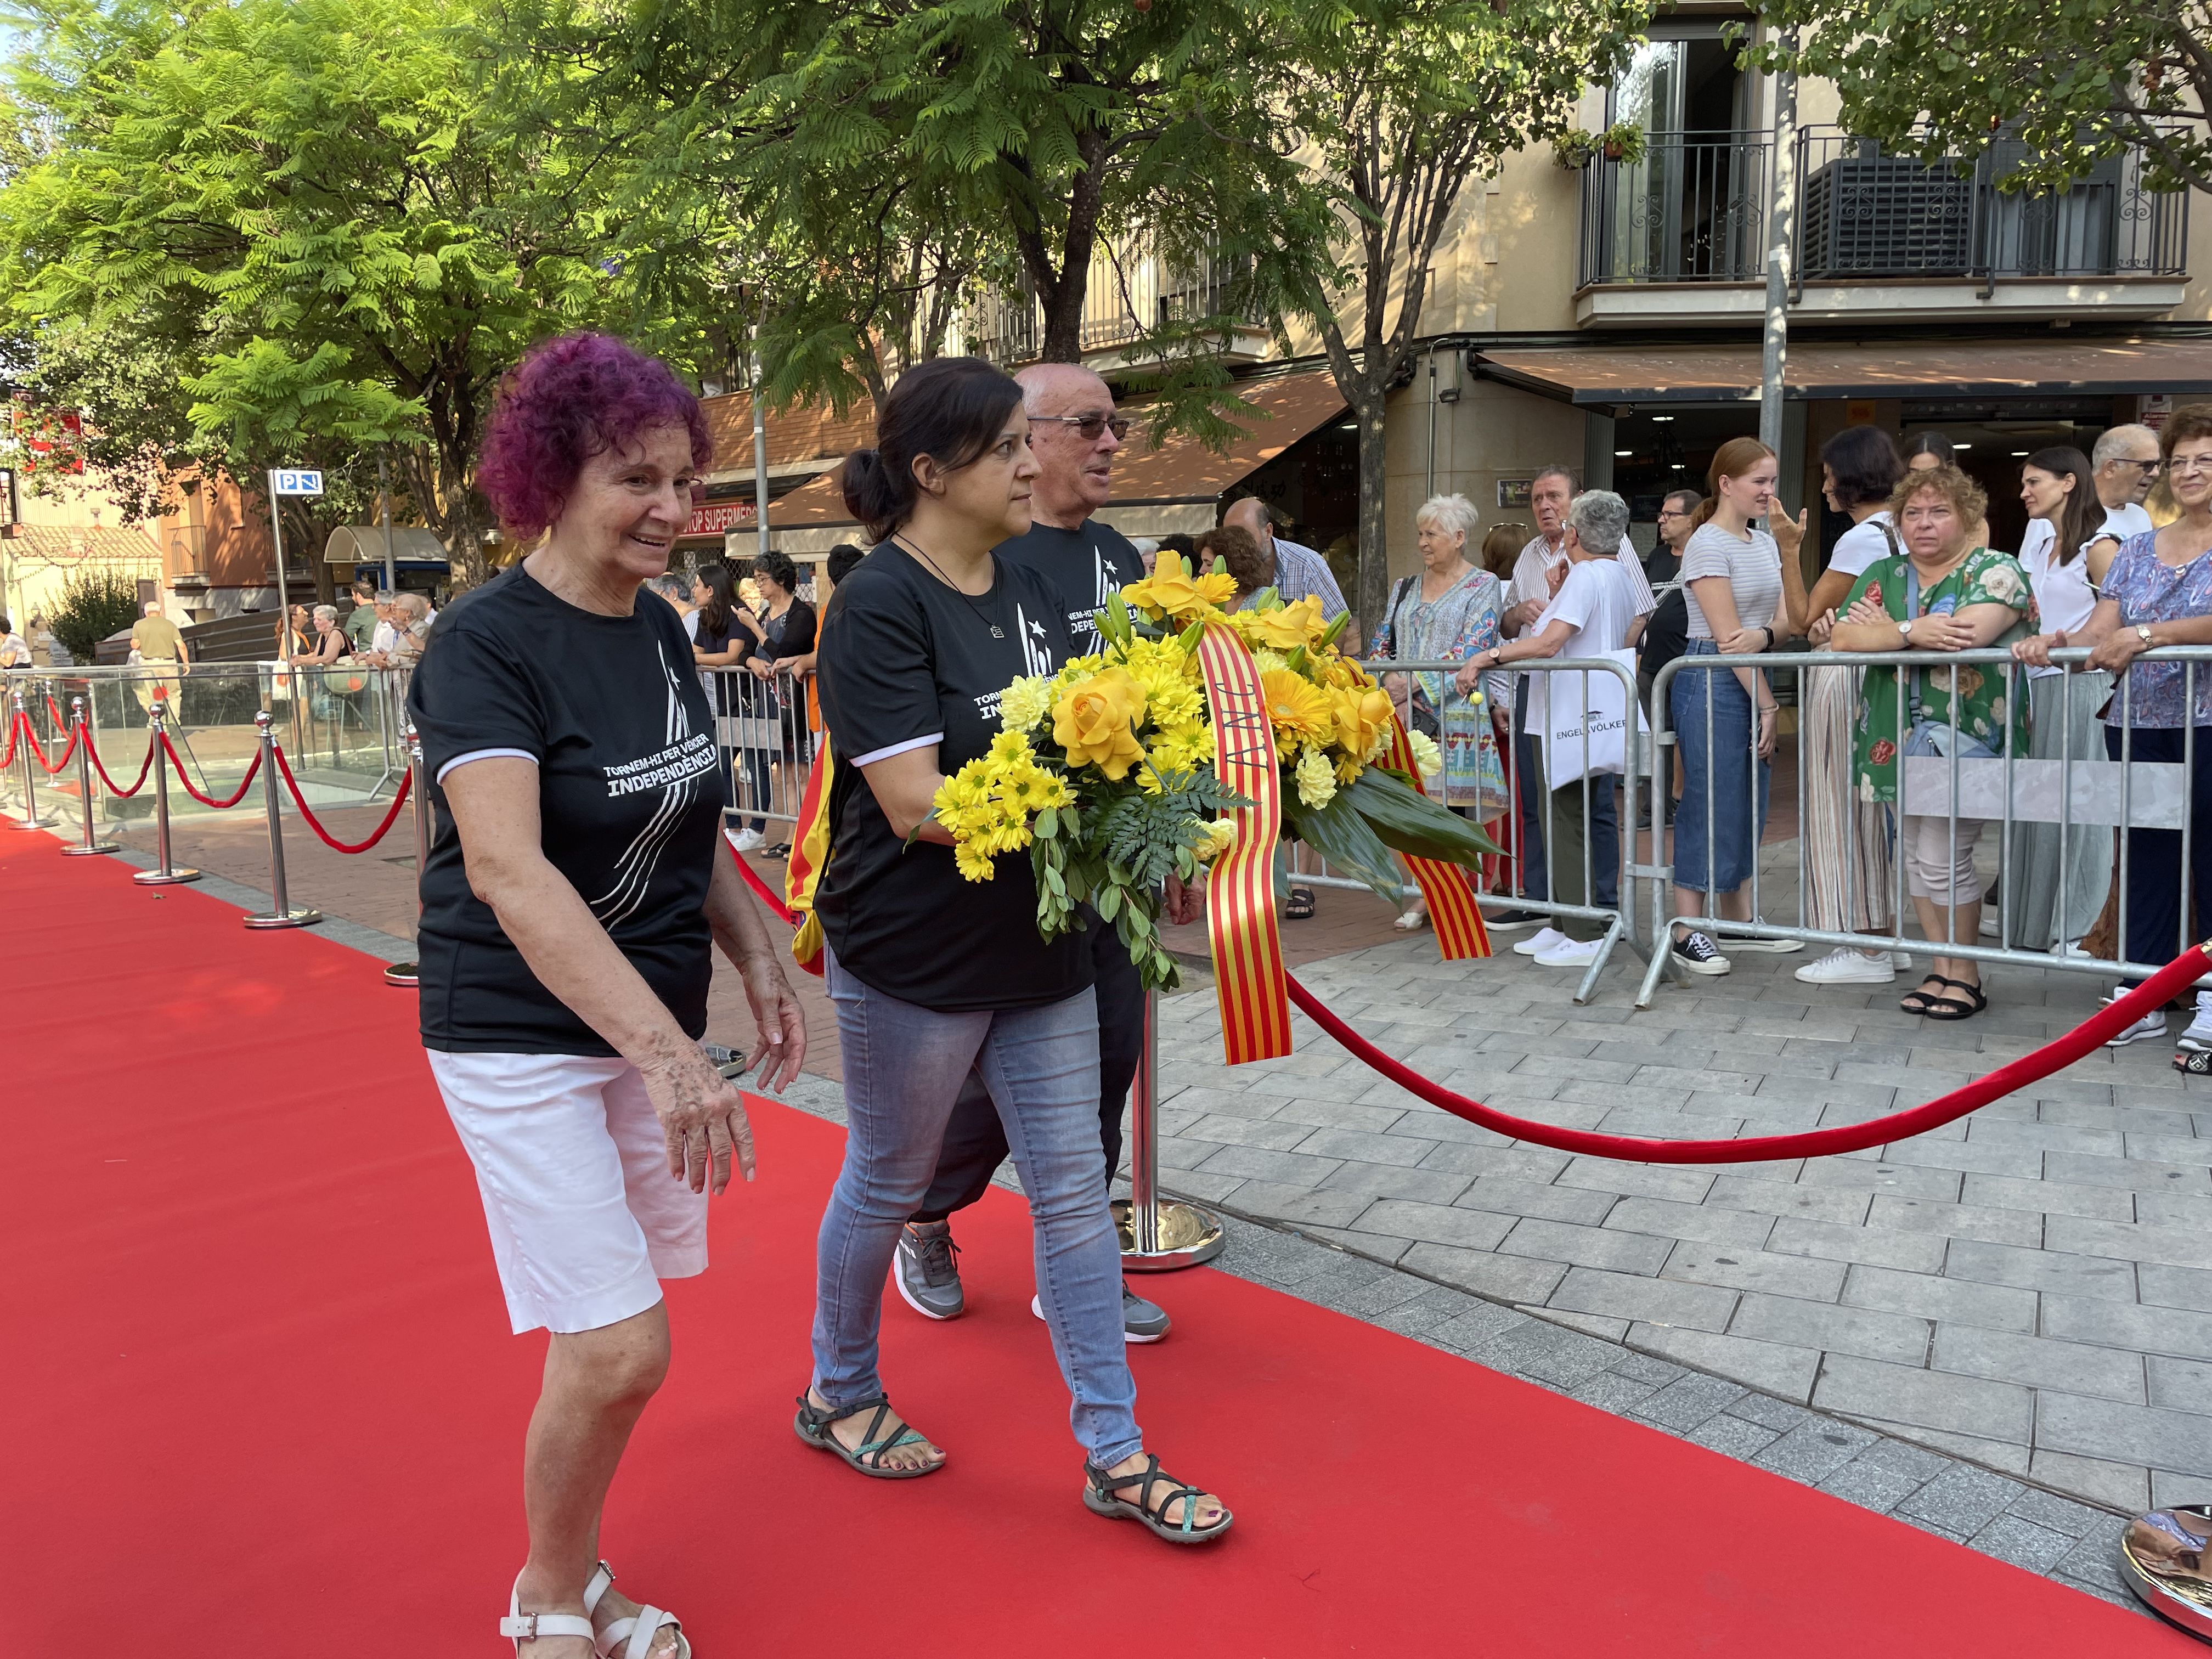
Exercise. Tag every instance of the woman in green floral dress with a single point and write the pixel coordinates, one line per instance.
(1947, 594)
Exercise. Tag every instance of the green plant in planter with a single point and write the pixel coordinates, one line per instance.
(1574, 148)
(1623, 141)
(94, 603)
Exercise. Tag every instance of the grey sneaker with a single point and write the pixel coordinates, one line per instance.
(928, 1276)
(1141, 1321)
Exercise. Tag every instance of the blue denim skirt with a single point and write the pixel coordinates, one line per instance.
(1715, 853)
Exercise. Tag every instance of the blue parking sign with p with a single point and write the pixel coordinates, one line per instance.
(298, 481)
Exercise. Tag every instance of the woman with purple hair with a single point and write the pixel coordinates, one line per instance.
(571, 901)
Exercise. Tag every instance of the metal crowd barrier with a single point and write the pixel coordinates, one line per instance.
(768, 728)
(2010, 790)
(1502, 883)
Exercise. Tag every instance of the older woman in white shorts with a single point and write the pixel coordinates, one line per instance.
(572, 896)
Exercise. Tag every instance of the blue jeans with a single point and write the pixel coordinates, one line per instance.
(903, 1068)
(1717, 857)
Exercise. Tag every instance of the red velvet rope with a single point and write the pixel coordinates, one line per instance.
(243, 783)
(54, 709)
(136, 783)
(284, 769)
(760, 888)
(2152, 994)
(39, 754)
(15, 726)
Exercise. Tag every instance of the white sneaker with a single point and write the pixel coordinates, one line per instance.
(1542, 940)
(1901, 958)
(2149, 1027)
(2199, 1034)
(2070, 947)
(1846, 966)
(748, 841)
(1780, 946)
(1569, 953)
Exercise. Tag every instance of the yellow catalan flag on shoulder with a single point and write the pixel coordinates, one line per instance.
(809, 852)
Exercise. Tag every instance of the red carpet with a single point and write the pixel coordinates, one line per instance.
(262, 1403)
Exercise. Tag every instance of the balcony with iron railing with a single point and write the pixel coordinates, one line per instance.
(1134, 295)
(1679, 233)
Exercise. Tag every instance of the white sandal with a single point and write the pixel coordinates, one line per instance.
(1411, 922)
(634, 1636)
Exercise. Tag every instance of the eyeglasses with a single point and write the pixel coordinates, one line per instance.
(2192, 467)
(2150, 466)
(1088, 425)
(1669, 512)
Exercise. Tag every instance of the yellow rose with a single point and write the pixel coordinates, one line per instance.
(1362, 721)
(1172, 589)
(1093, 721)
(1287, 627)
(1295, 708)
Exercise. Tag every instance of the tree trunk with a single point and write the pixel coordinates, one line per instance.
(465, 553)
(1374, 596)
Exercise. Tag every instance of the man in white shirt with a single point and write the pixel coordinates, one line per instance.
(2124, 465)
(1537, 574)
(1593, 613)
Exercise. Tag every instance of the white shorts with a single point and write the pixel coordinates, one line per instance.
(585, 1220)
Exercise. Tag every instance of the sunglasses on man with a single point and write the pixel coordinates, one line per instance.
(2150, 466)
(1088, 425)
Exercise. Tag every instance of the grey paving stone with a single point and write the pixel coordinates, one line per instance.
(2041, 1270)
(1779, 1415)
(1920, 1253)
(1223, 1130)
(1933, 1400)
(1272, 1201)
(1586, 1247)
(2137, 1175)
(1787, 1198)
(1433, 1224)
(1777, 1368)
(1548, 1354)
(2006, 1456)
(1870, 1487)
(1523, 1163)
(2116, 1485)
(1667, 1219)
(1508, 1196)
(1956, 1220)
(1388, 1181)
(1892, 1180)
(1997, 1307)
(2181, 1332)
(1689, 1401)
(2174, 1287)
(2043, 1138)
(1863, 1332)
(1804, 1277)
(1686, 1186)
(1435, 1307)
(1972, 1156)
(2093, 1562)
(2038, 1362)
(1284, 1168)
(1613, 1391)
(1507, 1279)
(1362, 1145)
(2173, 1247)
(1610, 1330)
(1732, 1436)
(1635, 1297)
(1815, 1449)
(1479, 1325)
(2055, 1514)
(2174, 1210)
(1304, 1107)
(2183, 1384)
(2022, 1543)
(2155, 1437)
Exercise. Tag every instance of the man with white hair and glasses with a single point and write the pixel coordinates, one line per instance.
(2124, 466)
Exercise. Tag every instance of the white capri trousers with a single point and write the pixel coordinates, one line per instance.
(1937, 866)
(585, 1220)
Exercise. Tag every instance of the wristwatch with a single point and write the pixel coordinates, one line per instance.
(2142, 633)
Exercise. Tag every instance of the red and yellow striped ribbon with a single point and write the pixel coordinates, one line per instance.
(810, 851)
(1444, 887)
(1249, 974)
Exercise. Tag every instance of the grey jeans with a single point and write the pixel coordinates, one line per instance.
(903, 1068)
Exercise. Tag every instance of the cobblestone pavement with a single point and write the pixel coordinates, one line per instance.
(2029, 1289)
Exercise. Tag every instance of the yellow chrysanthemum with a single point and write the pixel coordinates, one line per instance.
(1428, 759)
(973, 862)
(1316, 779)
(1009, 749)
(1031, 788)
(1220, 836)
(1296, 709)
(1024, 705)
(1172, 591)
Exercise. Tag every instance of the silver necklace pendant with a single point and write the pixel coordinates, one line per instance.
(997, 632)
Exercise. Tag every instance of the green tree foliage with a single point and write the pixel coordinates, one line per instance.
(313, 224)
(95, 602)
(2059, 85)
(1402, 104)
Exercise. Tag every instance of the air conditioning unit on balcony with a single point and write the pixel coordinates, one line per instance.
(1884, 215)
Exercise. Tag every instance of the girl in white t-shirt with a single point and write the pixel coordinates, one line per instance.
(2066, 553)
(1848, 873)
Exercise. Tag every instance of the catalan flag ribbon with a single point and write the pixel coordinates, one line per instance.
(1249, 974)
(1444, 887)
(809, 852)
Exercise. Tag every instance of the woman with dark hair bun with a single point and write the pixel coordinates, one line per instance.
(786, 625)
(934, 976)
(572, 897)
(2066, 558)
(1849, 874)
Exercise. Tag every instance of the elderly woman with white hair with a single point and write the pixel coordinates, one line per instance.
(1447, 613)
(1595, 611)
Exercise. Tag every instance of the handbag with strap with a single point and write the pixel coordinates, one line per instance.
(1421, 715)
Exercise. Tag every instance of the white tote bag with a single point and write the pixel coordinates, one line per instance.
(1570, 750)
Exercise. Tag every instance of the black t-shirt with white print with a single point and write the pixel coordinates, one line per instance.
(1083, 565)
(630, 793)
(907, 662)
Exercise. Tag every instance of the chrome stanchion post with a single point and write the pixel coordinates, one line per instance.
(161, 875)
(1157, 1234)
(33, 818)
(91, 843)
(280, 913)
(407, 975)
